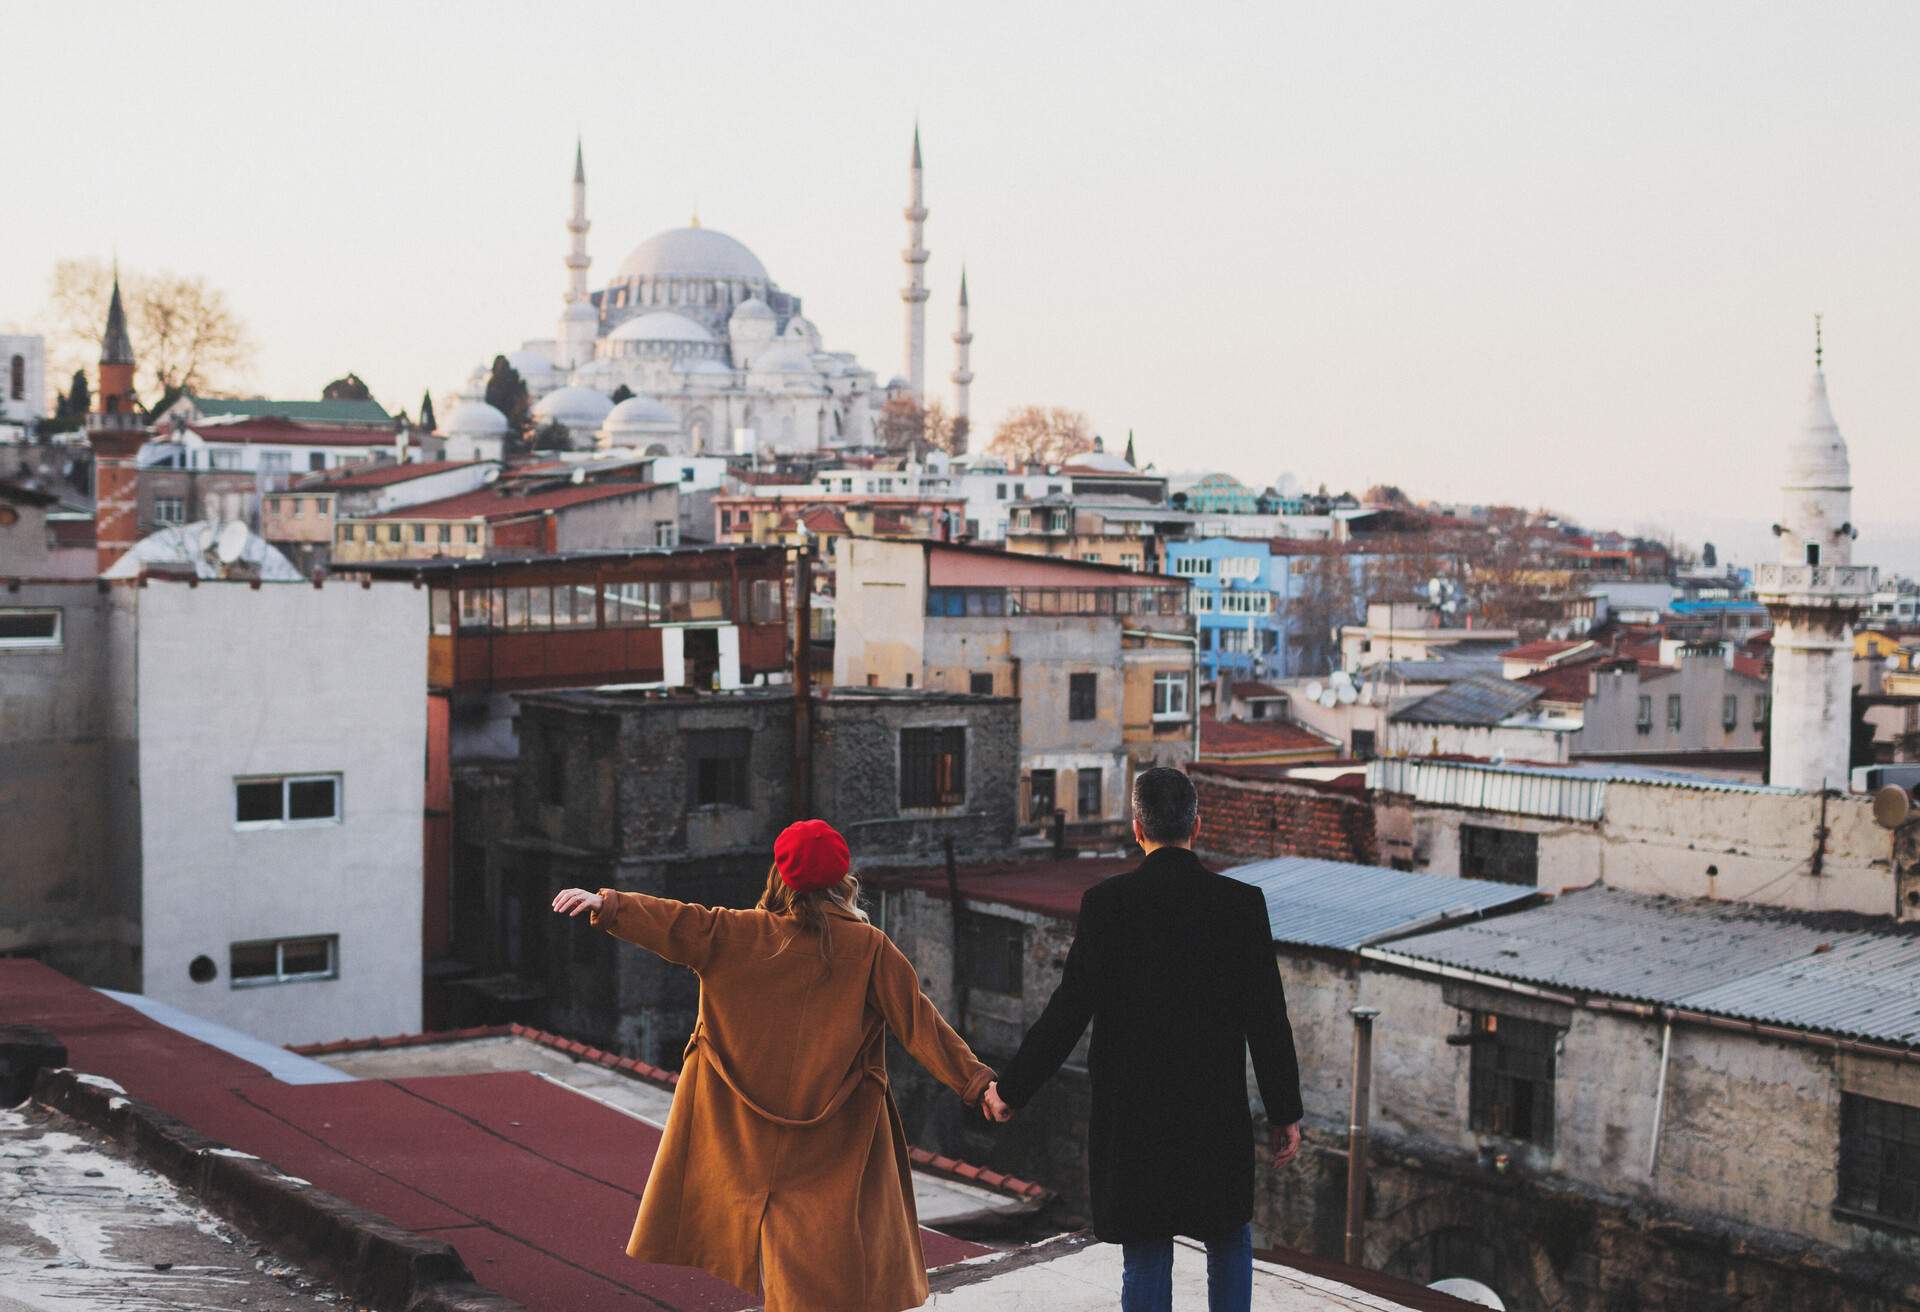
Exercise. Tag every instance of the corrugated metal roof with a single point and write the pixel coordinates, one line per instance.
(1445, 669)
(1336, 904)
(1831, 972)
(1566, 792)
(1481, 699)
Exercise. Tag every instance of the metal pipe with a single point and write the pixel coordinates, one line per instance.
(1660, 1097)
(803, 683)
(1362, 1089)
(961, 984)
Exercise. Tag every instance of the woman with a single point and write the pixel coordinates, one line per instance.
(783, 1169)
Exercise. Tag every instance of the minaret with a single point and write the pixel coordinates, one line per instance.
(915, 292)
(1814, 592)
(579, 322)
(962, 375)
(116, 431)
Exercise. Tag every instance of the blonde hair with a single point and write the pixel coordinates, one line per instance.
(807, 910)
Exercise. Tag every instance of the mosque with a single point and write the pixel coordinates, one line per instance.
(717, 355)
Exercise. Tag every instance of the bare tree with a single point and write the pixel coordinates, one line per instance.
(1325, 595)
(943, 431)
(1044, 435)
(185, 335)
(902, 425)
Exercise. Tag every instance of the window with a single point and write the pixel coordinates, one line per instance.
(445, 534)
(1081, 691)
(1091, 557)
(1246, 603)
(992, 951)
(1510, 1089)
(1092, 796)
(1673, 710)
(344, 532)
(393, 532)
(1192, 566)
(473, 533)
(1506, 855)
(316, 461)
(28, 630)
(933, 767)
(1000, 491)
(1203, 601)
(419, 532)
(1363, 745)
(666, 534)
(1813, 553)
(1880, 1158)
(1730, 713)
(1040, 795)
(276, 462)
(298, 799)
(440, 612)
(1131, 559)
(717, 767)
(1760, 710)
(169, 510)
(1643, 717)
(1170, 695)
(17, 378)
(980, 685)
(283, 961)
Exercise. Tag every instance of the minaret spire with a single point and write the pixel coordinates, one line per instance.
(962, 375)
(1818, 346)
(579, 322)
(915, 292)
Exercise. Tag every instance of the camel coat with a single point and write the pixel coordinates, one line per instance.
(783, 1169)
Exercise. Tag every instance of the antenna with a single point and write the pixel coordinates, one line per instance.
(579, 476)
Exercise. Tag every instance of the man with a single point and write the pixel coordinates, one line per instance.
(1174, 966)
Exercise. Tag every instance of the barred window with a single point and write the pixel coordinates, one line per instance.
(1510, 1090)
(933, 767)
(992, 950)
(1507, 855)
(1880, 1158)
(1081, 696)
(717, 762)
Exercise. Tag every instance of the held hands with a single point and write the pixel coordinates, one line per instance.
(992, 1107)
(1286, 1144)
(572, 901)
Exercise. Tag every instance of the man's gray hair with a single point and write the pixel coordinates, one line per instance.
(1165, 804)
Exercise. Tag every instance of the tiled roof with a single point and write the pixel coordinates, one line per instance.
(1544, 650)
(1052, 887)
(1226, 739)
(1252, 690)
(1481, 700)
(1832, 972)
(383, 474)
(490, 503)
(1563, 683)
(274, 430)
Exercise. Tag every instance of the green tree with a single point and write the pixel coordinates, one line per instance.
(621, 393)
(349, 388)
(507, 393)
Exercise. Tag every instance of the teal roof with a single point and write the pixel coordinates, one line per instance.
(315, 412)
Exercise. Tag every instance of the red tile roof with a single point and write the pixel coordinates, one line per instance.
(1544, 650)
(1751, 666)
(1051, 887)
(1563, 683)
(491, 503)
(1253, 689)
(383, 474)
(273, 431)
(1226, 739)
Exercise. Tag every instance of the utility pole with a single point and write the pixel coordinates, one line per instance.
(1362, 1088)
(803, 681)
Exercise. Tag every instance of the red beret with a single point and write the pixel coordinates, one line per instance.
(810, 855)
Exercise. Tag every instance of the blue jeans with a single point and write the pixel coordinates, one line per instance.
(1146, 1278)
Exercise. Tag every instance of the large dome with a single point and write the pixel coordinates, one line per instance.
(660, 326)
(692, 253)
(580, 408)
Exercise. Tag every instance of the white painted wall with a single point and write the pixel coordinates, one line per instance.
(235, 681)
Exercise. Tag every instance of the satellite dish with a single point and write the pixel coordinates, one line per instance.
(1314, 690)
(1891, 806)
(491, 476)
(232, 542)
(579, 476)
(1329, 698)
(1341, 679)
(1345, 694)
(1468, 1291)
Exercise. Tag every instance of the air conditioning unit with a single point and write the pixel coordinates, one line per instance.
(1872, 778)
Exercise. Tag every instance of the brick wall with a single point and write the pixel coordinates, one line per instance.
(1251, 819)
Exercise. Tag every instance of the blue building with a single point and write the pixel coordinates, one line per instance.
(1252, 603)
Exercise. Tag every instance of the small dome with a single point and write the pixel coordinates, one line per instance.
(1818, 456)
(638, 417)
(473, 419)
(531, 363)
(660, 326)
(784, 359)
(692, 253)
(752, 308)
(579, 408)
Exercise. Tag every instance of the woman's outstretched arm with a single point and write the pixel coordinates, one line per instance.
(895, 993)
(681, 932)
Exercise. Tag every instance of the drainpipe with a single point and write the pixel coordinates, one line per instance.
(1660, 1095)
(803, 683)
(1362, 1088)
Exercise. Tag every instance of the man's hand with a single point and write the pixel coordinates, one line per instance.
(1286, 1144)
(572, 901)
(992, 1107)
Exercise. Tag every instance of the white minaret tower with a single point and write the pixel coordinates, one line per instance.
(962, 375)
(579, 322)
(915, 292)
(1814, 592)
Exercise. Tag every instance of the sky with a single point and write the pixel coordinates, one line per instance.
(1543, 254)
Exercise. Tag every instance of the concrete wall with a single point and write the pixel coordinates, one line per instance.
(69, 789)
(619, 522)
(283, 679)
(1487, 742)
(880, 605)
(1610, 717)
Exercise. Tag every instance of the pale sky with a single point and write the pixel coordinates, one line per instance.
(1562, 255)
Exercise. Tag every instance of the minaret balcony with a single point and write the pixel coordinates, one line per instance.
(1837, 586)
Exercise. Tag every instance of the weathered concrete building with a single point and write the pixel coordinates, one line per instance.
(1101, 658)
(682, 795)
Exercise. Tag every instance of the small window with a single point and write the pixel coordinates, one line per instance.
(286, 800)
(717, 762)
(1643, 715)
(1510, 1089)
(1880, 1158)
(1170, 695)
(446, 534)
(992, 951)
(666, 534)
(283, 961)
(1040, 795)
(1760, 710)
(316, 461)
(169, 510)
(980, 685)
(1506, 855)
(473, 534)
(419, 532)
(1092, 795)
(29, 630)
(933, 767)
(1081, 690)
(1673, 710)
(1730, 712)
(1813, 553)
(1363, 745)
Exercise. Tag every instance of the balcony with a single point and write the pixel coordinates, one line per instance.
(1835, 586)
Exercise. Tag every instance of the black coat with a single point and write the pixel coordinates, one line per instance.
(1174, 966)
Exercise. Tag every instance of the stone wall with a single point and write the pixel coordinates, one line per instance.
(1252, 819)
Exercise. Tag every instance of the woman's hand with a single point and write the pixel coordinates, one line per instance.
(572, 901)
